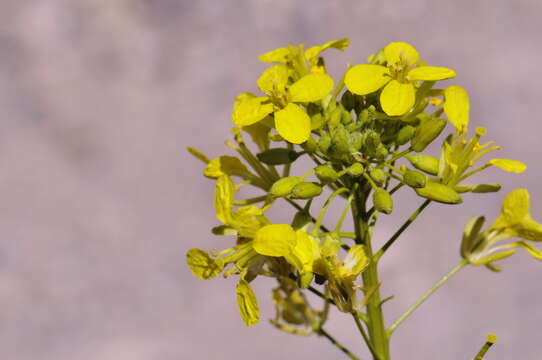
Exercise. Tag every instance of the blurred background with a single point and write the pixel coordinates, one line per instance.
(99, 200)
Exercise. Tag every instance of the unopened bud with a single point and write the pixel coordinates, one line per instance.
(405, 134)
(326, 174)
(310, 145)
(426, 163)
(301, 219)
(324, 143)
(428, 131)
(414, 178)
(284, 186)
(355, 170)
(377, 175)
(439, 193)
(306, 190)
(382, 201)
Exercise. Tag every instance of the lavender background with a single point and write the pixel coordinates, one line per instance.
(99, 201)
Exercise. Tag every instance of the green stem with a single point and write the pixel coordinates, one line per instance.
(425, 296)
(300, 208)
(377, 331)
(403, 227)
(364, 335)
(323, 211)
(341, 347)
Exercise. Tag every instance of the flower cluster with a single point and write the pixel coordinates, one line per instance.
(366, 137)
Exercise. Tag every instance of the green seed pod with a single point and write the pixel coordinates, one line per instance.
(382, 201)
(426, 163)
(378, 175)
(439, 193)
(277, 156)
(414, 178)
(326, 174)
(348, 100)
(428, 131)
(306, 190)
(311, 145)
(301, 219)
(356, 170)
(405, 134)
(324, 143)
(284, 186)
(486, 188)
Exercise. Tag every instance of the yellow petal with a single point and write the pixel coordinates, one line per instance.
(249, 109)
(431, 73)
(364, 79)
(203, 266)
(275, 240)
(396, 98)
(311, 87)
(274, 79)
(355, 262)
(515, 206)
(532, 250)
(509, 165)
(457, 107)
(313, 52)
(247, 303)
(401, 52)
(279, 55)
(293, 124)
(226, 165)
(224, 192)
(304, 253)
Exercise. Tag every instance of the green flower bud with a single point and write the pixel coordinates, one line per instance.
(414, 178)
(363, 116)
(335, 117)
(405, 134)
(382, 201)
(428, 131)
(278, 156)
(486, 188)
(439, 193)
(324, 143)
(356, 170)
(348, 100)
(340, 142)
(378, 175)
(426, 163)
(356, 141)
(326, 174)
(346, 117)
(306, 190)
(381, 152)
(311, 145)
(283, 187)
(317, 121)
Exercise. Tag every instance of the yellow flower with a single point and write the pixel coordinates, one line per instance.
(398, 78)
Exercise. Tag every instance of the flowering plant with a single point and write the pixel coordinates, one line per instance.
(366, 136)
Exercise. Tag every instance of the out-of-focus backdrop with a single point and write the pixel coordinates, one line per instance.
(99, 200)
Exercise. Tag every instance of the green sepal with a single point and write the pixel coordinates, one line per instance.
(428, 131)
(426, 163)
(278, 156)
(306, 190)
(440, 193)
(382, 201)
(203, 265)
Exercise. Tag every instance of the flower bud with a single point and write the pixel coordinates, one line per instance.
(486, 188)
(439, 193)
(277, 156)
(414, 178)
(340, 141)
(324, 143)
(305, 280)
(363, 116)
(284, 186)
(335, 117)
(326, 174)
(405, 134)
(356, 141)
(306, 190)
(426, 163)
(301, 219)
(428, 131)
(310, 145)
(346, 117)
(377, 175)
(355, 170)
(382, 201)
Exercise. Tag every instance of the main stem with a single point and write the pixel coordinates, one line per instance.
(377, 330)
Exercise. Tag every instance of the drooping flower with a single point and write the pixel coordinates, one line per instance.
(398, 78)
